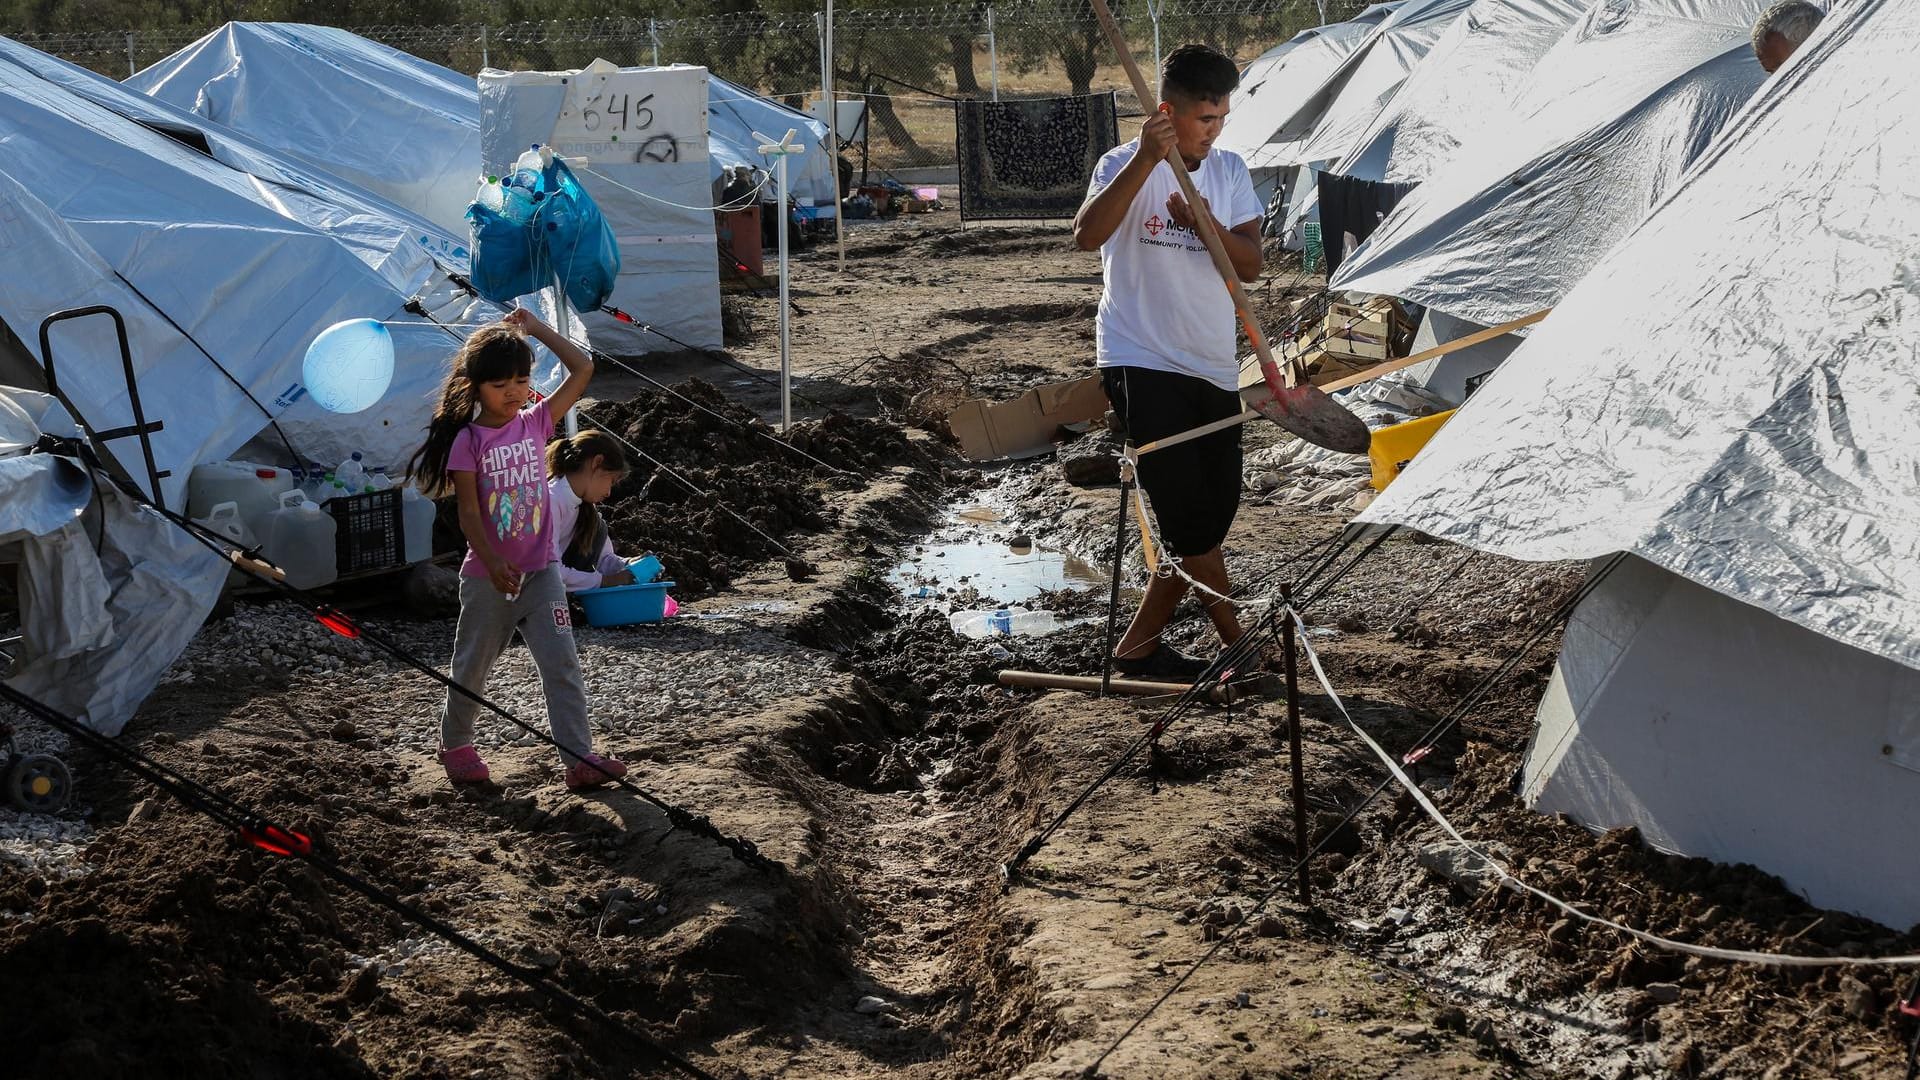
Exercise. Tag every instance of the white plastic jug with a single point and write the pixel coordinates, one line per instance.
(253, 488)
(298, 537)
(225, 520)
(416, 522)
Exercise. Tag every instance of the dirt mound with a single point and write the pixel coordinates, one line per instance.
(734, 459)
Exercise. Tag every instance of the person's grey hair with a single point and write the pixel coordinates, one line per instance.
(1791, 19)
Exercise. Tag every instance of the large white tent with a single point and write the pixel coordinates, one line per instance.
(1276, 82)
(381, 118)
(1613, 115)
(1465, 82)
(225, 258)
(1729, 396)
(405, 127)
(1350, 101)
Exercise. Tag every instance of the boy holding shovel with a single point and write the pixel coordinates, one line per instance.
(1166, 336)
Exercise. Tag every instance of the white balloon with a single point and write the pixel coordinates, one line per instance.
(349, 366)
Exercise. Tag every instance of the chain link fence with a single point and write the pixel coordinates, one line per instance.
(905, 64)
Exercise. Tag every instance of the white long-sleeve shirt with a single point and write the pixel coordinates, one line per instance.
(565, 508)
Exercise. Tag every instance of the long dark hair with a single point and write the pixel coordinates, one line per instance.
(495, 351)
(570, 455)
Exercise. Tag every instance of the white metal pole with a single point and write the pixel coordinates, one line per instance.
(1323, 12)
(485, 60)
(1153, 12)
(131, 70)
(563, 325)
(833, 144)
(993, 56)
(786, 356)
(653, 34)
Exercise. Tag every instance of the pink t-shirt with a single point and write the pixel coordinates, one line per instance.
(510, 464)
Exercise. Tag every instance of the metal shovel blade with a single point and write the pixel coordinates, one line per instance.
(1309, 413)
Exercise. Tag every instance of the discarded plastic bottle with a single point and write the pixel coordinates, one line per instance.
(378, 480)
(1002, 622)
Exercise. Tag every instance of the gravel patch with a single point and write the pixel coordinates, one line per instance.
(642, 682)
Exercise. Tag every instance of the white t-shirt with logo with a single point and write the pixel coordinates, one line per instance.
(1165, 306)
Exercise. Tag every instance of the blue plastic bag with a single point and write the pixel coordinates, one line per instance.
(508, 259)
(580, 245)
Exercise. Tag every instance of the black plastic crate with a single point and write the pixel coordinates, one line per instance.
(367, 533)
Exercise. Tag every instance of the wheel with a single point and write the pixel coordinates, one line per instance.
(38, 783)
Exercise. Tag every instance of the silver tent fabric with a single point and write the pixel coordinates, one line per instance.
(110, 593)
(404, 127)
(108, 197)
(1375, 75)
(1275, 84)
(387, 120)
(1731, 393)
(1612, 116)
(1465, 81)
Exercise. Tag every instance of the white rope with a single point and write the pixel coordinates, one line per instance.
(727, 207)
(1740, 956)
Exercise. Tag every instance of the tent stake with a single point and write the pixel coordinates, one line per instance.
(1303, 874)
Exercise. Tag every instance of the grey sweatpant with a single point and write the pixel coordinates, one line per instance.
(487, 623)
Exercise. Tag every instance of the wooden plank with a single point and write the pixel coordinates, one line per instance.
(1041, 680)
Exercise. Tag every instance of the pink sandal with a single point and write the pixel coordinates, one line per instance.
(592, 770)
(464, 766)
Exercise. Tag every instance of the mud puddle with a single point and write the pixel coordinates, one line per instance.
(975, 553)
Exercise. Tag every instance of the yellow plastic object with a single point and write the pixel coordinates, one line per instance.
(1393, 447)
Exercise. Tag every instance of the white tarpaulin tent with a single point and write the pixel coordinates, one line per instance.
(386, 120)
(643, 135)
(225, 258)
(1730, 396)
(1276, 82)
(404, 127)
(1372, 76)
(1465, 81)
(1612, 116)
(110, 592)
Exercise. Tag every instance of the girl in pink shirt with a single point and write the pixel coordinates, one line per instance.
(486, 445)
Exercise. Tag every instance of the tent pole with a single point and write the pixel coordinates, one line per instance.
(1153, 12)
(833, 138)
(993, 56)
(562, 322)
(786, 356)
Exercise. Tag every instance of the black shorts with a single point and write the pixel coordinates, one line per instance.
(1195, 486)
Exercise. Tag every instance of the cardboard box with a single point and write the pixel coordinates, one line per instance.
(1027, 425)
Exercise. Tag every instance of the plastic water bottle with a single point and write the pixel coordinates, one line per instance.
(491, 195)
(1002, 622)
(319, 484)
(351, 474)
(519, 205)
(528, 168)
(1034, 623)
(377, 480)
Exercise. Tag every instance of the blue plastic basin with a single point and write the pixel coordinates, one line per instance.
(624, 605)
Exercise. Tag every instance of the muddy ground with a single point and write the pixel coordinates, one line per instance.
(809, 704)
